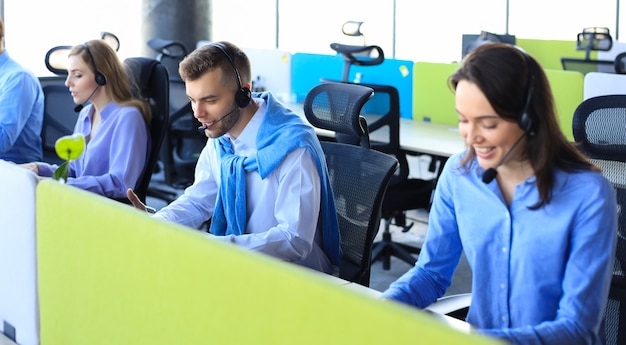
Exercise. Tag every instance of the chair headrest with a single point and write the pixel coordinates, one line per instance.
(170, 48)
(360, 55)
(337, 107)
(140, 70)
(599, 127)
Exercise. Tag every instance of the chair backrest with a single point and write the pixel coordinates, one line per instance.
(389, 123)
(404, 193)
(182, 143)
(150, 82)
(385, 95)
(358, 175)
(387, 128)
(337, 107)
(615, 314)
(59, 116)
(599, 125)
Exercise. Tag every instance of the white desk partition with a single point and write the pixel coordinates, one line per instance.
(618, 47)
(598, 84)
(19, 311)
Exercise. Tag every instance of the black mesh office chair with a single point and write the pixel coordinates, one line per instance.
(404, 193)
(599, 126)
(150, 82)
(59, 116)
(359, 176)
(182, 143)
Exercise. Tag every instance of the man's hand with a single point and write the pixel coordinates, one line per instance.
(134, 199)
(30, 166)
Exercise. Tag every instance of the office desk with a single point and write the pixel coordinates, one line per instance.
(457, 324)
(429, 138)
(6, 341)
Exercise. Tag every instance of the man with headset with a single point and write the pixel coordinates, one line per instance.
(21, 110)
(262, 177)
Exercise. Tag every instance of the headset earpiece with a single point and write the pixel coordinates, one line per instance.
(243, 96)
(100, 78)
(526, 121)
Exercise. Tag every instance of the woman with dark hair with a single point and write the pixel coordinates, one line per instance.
(114, 124)
(536, 220)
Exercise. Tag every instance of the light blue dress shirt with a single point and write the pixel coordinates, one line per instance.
(115, 156)
(283, 208)
(539, 276)
(21, 112)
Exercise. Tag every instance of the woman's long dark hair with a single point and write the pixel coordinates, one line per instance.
(504, 73)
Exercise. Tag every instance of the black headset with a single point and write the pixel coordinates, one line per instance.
(100, 79)
(243, 96)
(525, 120)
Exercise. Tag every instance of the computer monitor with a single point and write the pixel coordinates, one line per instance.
(585, 66)
(471, 41)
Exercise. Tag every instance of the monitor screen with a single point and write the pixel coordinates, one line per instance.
(585, 66)
(471, 41)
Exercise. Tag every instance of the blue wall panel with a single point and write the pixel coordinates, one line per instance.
(307, 70)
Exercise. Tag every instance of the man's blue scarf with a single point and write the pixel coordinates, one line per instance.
(279, 134)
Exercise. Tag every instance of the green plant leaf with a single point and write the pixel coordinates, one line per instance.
(70, 147)
(62, 172)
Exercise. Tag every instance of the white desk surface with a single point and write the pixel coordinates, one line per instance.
(429, 138)
(457, 324)
(415, 136)
(5, 341)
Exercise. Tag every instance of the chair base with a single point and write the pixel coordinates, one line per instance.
(386, 248)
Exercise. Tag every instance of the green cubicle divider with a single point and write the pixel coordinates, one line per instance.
(433, 100)
(549, 52)
(567, 88)
(109, 274)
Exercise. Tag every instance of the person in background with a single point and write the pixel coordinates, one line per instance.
(114, 124)
(262, 178)
(536, 220)
(21, 110)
